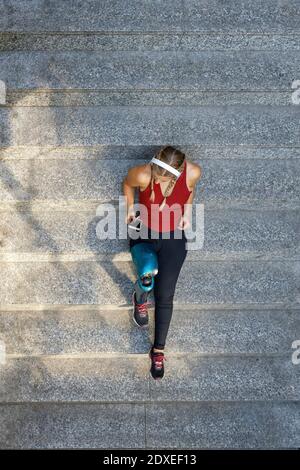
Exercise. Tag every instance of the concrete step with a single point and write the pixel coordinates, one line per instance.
(110, 97)
(127, 16)
(182, 425)
(193, 329)
(140, 125)
(114, 377)
(228, 233)
(226, 180)
(151, 69)
(139, 154)
(106, 75)
(106, 41)
(111, 282)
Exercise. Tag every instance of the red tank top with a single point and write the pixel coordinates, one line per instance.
(168, 218)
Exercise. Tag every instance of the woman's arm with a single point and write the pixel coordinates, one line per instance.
(194, 176)
(135, 177)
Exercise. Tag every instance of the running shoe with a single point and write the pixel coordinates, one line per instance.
(140, 312)
(157, 363)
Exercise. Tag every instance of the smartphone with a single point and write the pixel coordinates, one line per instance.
(136, 223)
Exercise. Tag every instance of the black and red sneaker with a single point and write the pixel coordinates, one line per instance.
(157, 363)
(140, 312)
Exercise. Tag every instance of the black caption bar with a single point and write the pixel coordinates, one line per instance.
(134, 458)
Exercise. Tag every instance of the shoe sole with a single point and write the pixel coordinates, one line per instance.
(144, 327)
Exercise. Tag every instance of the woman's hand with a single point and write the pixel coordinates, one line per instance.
(184, 222)
(130, 216)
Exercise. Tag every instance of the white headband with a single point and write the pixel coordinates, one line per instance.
(166, 166)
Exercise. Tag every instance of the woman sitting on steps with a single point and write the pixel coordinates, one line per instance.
(168, 179)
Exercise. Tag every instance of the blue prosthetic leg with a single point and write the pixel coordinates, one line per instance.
(145, 260)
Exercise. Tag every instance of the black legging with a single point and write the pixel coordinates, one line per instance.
(171, 254)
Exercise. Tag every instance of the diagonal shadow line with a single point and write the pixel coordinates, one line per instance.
(26, 194)
(13, 185)
(20, 193)
(124, 283)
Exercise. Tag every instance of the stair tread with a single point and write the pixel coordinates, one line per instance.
(140, 125)
(195, 328)
(126, 378)
(124, 17)
(202, 282)
(182, 425)
(149, 70)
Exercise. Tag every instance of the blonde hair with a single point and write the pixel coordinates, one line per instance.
(173, 157)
